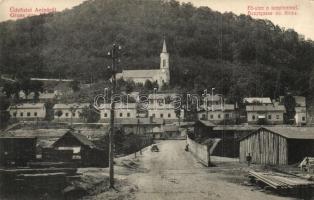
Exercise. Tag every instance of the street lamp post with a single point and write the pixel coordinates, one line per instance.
(113, 54)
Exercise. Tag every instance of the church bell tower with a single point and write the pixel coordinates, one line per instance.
(164, 63)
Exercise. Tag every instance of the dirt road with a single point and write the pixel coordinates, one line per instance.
(173, 174)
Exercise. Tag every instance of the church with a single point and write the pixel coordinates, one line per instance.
(161, 75)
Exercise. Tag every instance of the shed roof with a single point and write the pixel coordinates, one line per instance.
(207, 123)
(301, 133)
(81, 138)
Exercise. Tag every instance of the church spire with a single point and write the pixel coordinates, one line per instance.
(164, 46)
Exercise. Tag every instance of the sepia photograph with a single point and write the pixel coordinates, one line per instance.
(156, 99)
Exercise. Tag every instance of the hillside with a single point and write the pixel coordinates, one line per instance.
(235, 54)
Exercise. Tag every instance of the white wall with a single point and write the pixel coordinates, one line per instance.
(28, 113)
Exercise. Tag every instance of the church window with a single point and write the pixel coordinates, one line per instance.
(161, 115)
(164, 63)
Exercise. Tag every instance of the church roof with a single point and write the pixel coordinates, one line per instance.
(140, 73)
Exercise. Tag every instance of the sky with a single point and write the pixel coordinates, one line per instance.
(300, 19)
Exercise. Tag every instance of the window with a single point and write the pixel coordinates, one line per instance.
(203, 116)
(269, 116)
(227, 115)
(218, 116)
(212, 116)
(164, 63)
(128, 114)
(277, 117)
(35, 114)
(21, 114)
(14, 114)
(153, 115)
(73, 114)
(28, 114)
(121, 114)
(303, 118)
(161, 115)
(169, 115)
(105, 115)
(253, 117)
(66, 114)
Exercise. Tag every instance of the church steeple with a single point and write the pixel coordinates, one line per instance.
(164, 46)
(164, 56)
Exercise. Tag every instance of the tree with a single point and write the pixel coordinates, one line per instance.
(148, 85)
(289, 103)
(90, 115)
(4, 114)
(72, 111)
(75, 85)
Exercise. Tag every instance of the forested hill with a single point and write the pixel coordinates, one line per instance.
(235, 54)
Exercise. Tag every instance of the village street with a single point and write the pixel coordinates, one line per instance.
(173, 173)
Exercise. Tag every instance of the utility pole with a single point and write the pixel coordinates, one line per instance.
(113, 54)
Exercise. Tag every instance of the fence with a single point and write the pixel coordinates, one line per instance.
(200, 151)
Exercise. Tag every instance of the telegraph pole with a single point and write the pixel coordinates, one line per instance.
(113, 54)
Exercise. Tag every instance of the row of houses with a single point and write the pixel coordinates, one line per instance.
(162, 106)
(258, 110)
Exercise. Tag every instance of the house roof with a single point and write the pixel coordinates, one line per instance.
(207, 123)
(139, 73)
(210, 98)
(118, 106)
(235, 128)
(302, 133)
(263, 100)
(47, 95)
(28, 106)
(140, 121)
(269, 107)
(162, 95)
(300, 101)
(71, 105)
(51, 79)
(223, 107)
(45, 137)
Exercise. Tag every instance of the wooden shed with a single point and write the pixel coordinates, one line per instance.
(17, 151)
(84, 151)
(278, 145)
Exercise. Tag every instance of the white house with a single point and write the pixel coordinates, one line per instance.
(217, 113)
(28, 111)
(69, 111)
(122, 111)
(267, 113)
(161, 75)
(161, 106)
